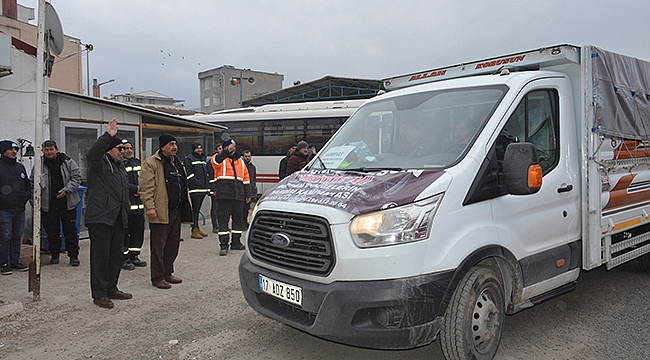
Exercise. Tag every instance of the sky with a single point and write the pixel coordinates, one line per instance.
(162, 45)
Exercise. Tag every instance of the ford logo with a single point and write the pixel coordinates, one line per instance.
(280, 240)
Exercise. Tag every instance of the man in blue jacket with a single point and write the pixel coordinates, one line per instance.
(107, 208)
(15, 191)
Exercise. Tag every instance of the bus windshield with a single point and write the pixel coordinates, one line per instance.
(432, 129)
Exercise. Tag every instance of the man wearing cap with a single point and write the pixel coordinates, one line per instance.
(199, 184)
(134, 236)
(107, 207)
(163, 190)
(231, 190)
(299, 158)
(15, 191)
(59, 200)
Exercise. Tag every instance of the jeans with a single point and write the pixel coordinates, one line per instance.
(12, 224)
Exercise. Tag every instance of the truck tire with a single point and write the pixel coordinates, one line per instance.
(644, 262)
(472, 325)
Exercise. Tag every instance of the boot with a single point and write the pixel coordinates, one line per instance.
(196, 234)
(201, 232)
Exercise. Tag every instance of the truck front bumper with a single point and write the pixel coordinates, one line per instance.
(387, 314)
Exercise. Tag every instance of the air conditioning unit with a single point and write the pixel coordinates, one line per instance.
(5, 55)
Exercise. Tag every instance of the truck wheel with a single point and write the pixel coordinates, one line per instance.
(472, 325)
(644, 262)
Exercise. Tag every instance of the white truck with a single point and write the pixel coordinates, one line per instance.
(463, 194)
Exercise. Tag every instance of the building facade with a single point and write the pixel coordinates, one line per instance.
(148, 97)
(226, 87)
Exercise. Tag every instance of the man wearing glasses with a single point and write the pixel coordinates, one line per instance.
(163, 190)
(107, 208)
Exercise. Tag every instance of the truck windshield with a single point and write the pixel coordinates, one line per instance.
(415, 131)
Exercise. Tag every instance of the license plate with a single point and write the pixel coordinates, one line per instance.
(280, 290)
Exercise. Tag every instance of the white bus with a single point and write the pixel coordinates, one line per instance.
(269, 130)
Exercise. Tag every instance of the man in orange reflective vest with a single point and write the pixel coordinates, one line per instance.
(231, 180)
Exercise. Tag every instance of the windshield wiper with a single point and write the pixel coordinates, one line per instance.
(370, 169)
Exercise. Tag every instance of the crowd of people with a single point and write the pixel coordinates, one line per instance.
(122, 195)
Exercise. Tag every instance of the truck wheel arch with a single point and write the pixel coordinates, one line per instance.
(499, 258)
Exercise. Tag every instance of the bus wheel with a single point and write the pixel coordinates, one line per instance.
(644, 262)
(472, 324)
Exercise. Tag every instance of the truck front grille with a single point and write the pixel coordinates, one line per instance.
(309, 249)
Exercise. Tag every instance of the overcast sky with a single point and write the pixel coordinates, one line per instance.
(162, 45)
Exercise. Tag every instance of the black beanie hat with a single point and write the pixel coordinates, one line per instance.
(6, 145)
(196, 145)
(165, 138)
(114, 142)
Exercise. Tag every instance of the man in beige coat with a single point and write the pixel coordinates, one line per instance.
(163, 190)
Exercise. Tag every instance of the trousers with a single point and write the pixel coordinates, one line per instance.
(164, 244)
(105, 257)
(52, 221)
(134, 237)
(197, 201)
(230, 209)
(12, 224)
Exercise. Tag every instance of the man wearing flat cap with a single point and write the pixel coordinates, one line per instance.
(15, 191)
(199, 185)
(163, 190)
(231, 191)
(107, 207)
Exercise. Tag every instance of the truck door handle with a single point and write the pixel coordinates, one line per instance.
(565, 189)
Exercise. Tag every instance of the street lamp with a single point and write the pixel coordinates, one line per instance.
(238, 81)
(96, 86)
(87, 48)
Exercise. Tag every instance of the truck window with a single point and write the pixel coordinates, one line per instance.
(535, 120)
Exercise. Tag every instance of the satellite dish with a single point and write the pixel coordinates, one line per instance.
(53, 30)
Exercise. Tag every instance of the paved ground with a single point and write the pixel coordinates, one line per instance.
(206, 317)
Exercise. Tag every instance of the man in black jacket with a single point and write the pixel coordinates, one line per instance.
(214, 206)
(16, 191)
(107, 207)
(282, 170)
(252, 173)
(134, 236)
(199, 185)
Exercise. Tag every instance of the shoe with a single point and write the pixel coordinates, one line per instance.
(202, 233)
(223, 252)
(6, 270)
(137, 262)
(54, 260)
(162, 284)
(215, 230)
(128, 265)
(104, 302)
(119, 295)
(19, 267)
(74, 261)
(196, 234)
(173, 279)
(238, 246)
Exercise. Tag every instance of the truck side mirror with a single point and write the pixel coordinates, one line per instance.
(521, 170)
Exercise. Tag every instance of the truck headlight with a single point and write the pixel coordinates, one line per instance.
(395, 225)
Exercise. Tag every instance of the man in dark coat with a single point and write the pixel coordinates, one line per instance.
(252, 173)
(107, 207)
(134, 236)
(199, 185)
(299, 158)
(282, 171)
(15, 192)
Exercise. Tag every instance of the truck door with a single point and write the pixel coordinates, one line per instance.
(538, 228)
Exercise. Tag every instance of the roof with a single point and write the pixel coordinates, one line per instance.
(168, 109)
(326, 88)
(153, 114)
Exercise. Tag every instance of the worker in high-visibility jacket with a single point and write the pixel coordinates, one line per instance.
(198, 181)
(231, 180)
(135, 232)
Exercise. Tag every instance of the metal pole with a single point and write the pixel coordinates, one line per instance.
(241, 91)
(88, 69)
(35, 266)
